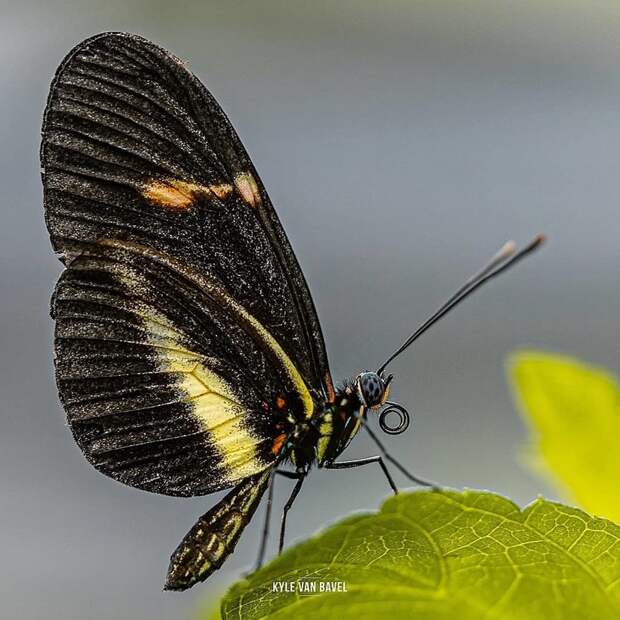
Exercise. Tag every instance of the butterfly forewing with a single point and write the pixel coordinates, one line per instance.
(135, 148)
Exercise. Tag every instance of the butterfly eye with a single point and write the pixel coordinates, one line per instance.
(371, 388)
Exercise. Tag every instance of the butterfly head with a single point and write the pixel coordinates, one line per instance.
(373, 390)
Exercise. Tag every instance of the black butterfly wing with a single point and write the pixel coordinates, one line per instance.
(135, 148)
(169, 384)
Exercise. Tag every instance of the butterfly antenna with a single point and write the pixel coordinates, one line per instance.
(501, 261)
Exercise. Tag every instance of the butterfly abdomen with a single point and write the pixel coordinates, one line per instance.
(213, 538)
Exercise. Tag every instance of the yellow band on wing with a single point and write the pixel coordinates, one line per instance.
(212, 400)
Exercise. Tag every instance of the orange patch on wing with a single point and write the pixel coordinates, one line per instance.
(247, 188)
(221, 191)
(280, 402)
(177, 194)
(278, 442)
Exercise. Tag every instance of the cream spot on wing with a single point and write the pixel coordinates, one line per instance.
(176, 194)
(247, 188)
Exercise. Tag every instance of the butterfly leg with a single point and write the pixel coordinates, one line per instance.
(392, 460)
(265, 533)
(301, 476)
(366, 461)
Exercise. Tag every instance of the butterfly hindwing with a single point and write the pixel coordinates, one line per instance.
(135, 148)
(168, 383)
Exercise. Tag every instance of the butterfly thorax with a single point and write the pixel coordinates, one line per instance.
(329, 432)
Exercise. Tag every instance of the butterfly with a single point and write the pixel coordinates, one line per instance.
(189, 356)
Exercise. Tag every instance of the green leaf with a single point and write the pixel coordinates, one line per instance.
(446, 555)
(573, 410)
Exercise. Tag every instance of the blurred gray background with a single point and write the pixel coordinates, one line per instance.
(402, 142)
